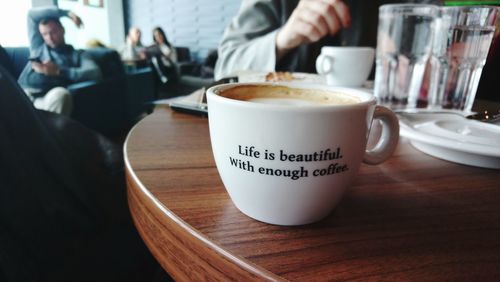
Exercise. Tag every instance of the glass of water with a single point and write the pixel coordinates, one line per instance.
(461, 45)
(404, 44)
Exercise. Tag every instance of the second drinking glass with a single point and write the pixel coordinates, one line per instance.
(461, 45)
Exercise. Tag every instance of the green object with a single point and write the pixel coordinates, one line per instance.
(471, 3)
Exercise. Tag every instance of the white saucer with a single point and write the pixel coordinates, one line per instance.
(254, 76)
(452, 137)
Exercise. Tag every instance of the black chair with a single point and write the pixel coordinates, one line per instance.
(185, 64)
(63, 207)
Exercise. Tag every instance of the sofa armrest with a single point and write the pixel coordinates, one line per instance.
(19, 58)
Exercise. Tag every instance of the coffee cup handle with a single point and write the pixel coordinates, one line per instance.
(324, 64)
(388, 139)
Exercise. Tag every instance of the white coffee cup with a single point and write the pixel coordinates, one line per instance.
(287, 152)
(345, 66)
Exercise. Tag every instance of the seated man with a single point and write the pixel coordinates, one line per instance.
(53, 64)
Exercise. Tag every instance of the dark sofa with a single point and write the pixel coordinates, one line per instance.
(108, 106)
(190, 77)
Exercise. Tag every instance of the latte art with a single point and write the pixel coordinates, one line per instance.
(282, 95)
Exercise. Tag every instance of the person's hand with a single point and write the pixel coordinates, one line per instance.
(76, 19)
(310, 21)
(47, 68)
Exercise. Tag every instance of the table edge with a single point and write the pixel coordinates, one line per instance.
(200, 247)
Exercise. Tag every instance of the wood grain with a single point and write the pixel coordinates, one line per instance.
(413, 217)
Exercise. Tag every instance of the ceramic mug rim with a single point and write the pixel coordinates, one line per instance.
(367, 98)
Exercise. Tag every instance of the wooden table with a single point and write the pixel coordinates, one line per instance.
(413, 217)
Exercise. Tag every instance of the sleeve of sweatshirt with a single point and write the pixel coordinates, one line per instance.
(35, 15)
(87, 70)
(249, 42)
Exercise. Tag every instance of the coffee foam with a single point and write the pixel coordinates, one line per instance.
(276, 94)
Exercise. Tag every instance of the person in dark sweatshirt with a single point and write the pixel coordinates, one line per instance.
(53, 64)
(287, 35)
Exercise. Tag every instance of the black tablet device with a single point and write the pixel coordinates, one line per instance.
(200, 106)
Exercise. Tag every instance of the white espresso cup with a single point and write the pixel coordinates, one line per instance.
(287, 152)
(345, 66)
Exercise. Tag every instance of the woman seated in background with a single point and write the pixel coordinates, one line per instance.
(164, 47)
(163, 56)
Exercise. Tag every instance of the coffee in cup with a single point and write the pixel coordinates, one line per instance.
(287, 152)
(285, 95)
(345, 66)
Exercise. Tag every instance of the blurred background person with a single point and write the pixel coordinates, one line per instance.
(54, 64)
(163, 56)
(167, 51)
(284, 35)
(133, 50)
(287, 35)
(95, 43)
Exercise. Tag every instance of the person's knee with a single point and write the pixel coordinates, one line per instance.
(57, 93)
(59, 100)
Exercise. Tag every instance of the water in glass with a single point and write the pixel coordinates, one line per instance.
(460, 51)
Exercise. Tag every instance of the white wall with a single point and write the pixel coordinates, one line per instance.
(105, 24)
(197, 24)
(13, 29)
(39, 3)
(116, 23)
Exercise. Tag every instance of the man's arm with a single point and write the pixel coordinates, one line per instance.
(88, 70)
(249, 41)
(35, 15)
(258, 39)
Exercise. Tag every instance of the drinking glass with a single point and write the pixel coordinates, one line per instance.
(464, 35)
(404, 43)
